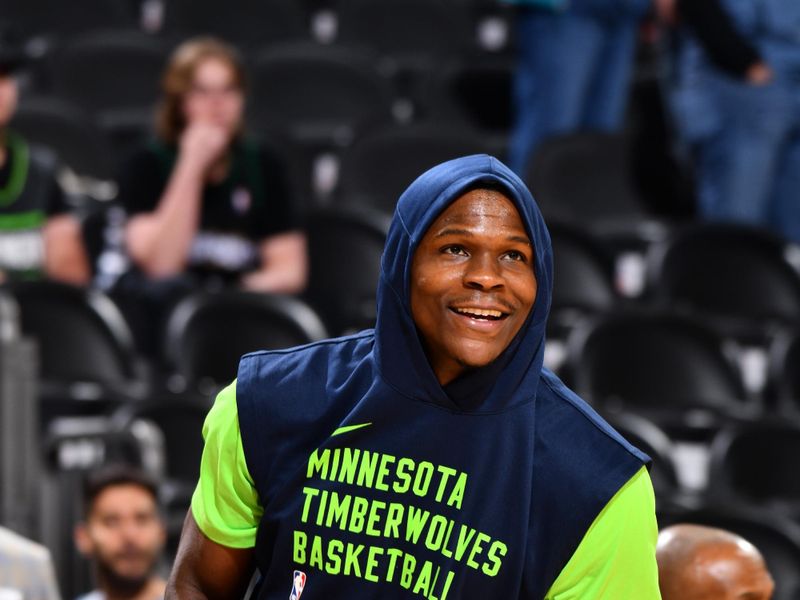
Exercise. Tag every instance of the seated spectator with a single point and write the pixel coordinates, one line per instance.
(700, 563)
(26, 570)
(203, 198)
(38, 237)
(207, 207)
(123, 534)
(734, 96)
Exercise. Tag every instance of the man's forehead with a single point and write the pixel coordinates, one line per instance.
(479, 205)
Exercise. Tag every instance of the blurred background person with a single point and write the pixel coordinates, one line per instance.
(38, 236)
(123, 534)
(207, 207)
(26, 570)
(704, 563)
(573, 71)
(734, 91)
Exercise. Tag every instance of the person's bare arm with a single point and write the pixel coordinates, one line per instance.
(205, 569)
(65, 257)
(284, 265)
(160, 241)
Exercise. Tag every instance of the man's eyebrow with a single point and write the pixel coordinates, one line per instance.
(454, 231)
(466, 232)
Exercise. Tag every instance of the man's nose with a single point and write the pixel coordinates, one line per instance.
(483, 273)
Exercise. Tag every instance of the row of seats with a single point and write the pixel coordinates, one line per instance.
(406, 28)
(742, 282)
(104, 89)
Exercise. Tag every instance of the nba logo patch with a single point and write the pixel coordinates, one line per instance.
(297, 585)
(241, 200)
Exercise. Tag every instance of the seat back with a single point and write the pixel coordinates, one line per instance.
(246, 23)
(382, 164)
(477, 93)
(653, 361)
(585, 177)
(110, 71)
(64, 19)
(757, 463)
(345, 247)
(413, 32)
(318, 92)
(727, 271)
(583, 271)
(81, 334)
(784, 370)
(207, 334)
(67, 131)
(654, 442)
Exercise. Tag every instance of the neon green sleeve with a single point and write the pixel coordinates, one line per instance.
(617, 557)
(225, 503)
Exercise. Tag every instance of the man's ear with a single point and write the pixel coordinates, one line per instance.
(82, 540)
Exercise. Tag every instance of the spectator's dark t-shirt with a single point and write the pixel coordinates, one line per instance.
(29, 195)
(252, 203)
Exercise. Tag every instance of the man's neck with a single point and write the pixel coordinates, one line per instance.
(154, 588)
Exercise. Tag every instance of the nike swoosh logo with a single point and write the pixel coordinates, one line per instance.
(349, 428)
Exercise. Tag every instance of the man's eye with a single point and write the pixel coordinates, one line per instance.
(458, 250)
(514, 255)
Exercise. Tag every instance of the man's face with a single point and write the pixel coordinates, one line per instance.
(472, 282)
(8, 98)
(124, 534)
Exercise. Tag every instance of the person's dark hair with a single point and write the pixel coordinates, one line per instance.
(113, 475)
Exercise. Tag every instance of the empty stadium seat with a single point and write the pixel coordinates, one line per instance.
(739, 275)
(206, 334)
(587, 178)
(414, 33)
(246, 23)
(179, 419)
(475, 92)
(784, 371)
(661, 365)
(345, 247)
(756, 463)
(650, 439)
(383, 163)
(81, 334)
(318, 94)
(583, 274)
(63, 19)
(110, 73)
(69, 132)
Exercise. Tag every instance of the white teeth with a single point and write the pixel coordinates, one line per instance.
(480, 312)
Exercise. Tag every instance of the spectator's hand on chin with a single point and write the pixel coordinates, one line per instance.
(203, 144)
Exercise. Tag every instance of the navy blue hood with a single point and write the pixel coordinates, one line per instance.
(513, 378)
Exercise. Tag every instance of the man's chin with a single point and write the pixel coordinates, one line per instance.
(127, 581)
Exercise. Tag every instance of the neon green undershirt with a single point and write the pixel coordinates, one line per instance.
(614, 561)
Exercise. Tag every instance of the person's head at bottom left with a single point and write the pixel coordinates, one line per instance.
(123, 532)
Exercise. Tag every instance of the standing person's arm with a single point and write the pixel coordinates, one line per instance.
(725, 46)
(215, 556)
(159, 242)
